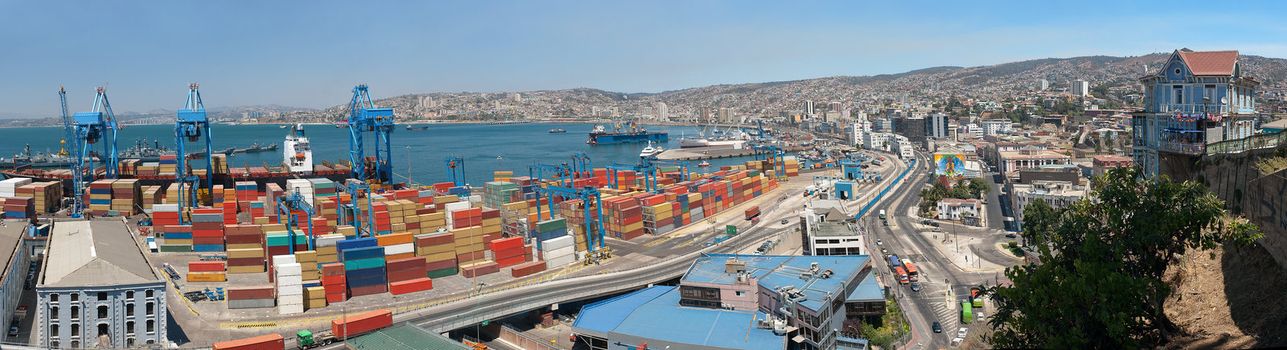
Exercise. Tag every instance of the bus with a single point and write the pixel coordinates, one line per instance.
(967, 312)
(902, 275)
(912, 273)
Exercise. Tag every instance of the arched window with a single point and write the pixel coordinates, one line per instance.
(53, 332)
(129, 310)
(129, 295)
(103, 329)
(129, 327)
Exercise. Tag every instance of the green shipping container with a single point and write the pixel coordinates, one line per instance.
(551, 225)
(730, 230)
(443, 273)
(174, 248)
(277, 240)
(363, 264)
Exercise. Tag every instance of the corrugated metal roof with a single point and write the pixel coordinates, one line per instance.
(94, 253)
(404, 337)
(654, 313)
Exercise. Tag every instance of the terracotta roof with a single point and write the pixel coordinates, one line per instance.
(1210, 62)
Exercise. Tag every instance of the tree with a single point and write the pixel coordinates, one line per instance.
(1038, 217)
(1100, 281)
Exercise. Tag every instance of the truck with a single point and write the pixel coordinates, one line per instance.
(345, 327)
(902, 275)
(912, 273)
(262, 342)
(752, 212)
(893, 261)
(882, 214)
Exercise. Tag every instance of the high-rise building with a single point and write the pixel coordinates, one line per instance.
(937, 126)
(833, 107)
(726, 115)
(808, 107)
(663, 111)
(1043, 84)
(1197, 98)
(1080, 88)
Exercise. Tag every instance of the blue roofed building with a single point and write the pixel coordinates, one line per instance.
(729, 301)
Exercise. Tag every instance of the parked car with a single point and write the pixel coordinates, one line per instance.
(960, 333)
(1007, 235)
(916, 286)
(13, 331)
(884, 251)
(784, 222)
(938, 328)
(878, 242)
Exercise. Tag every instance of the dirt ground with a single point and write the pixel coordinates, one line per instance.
(1229, 298)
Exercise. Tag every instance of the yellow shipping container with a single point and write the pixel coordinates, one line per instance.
(246, 269)
(207, 277)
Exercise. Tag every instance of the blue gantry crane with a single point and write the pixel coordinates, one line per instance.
(561, 173)
(99, 124)
(69, 135)
(774, 155)
(581, 165)
(645, 170)
(593, 207)
(295, 201)
(192, 125)
(365, 117)
(455, 170)
(352, 212)
(652, 162)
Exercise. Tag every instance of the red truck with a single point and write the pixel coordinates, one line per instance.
(752, 212)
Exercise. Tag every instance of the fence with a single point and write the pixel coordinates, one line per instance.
(1255, 142)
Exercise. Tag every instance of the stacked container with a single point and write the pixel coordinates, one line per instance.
(550, 229)
(469, 244)
(466, 217)
(247, 192)
(624, 217)
(245, 248)
(364, 266)
(207, 230)
(408, 275)
(100, 196)
(165, 222)
(397, 245)
(334, 283)
(558, 252)
(314, 297)
(303, 186)
(290, 290)
(152, 195)
(207, 271)
(509, 251)
(18, 207)
(439, 253)
(658, 215)
(250, 297)
(527, 268)
(308, 271)
(9, 187)
(326, 252)
(491, 223)
(167, 165)
(125, 196)
(45, 195)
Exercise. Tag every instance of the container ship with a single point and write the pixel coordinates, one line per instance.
(632, 134)
(152, 167)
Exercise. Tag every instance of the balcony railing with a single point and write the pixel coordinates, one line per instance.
(1189, 148)
(1194, 108)
(1254, 142)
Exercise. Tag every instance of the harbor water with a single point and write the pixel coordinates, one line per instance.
(417, 154)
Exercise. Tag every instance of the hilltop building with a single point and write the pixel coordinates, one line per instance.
(1196, 99)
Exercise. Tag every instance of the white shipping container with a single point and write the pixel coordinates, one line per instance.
(556, 243)
(279, 260)
(329, 240)
(559, 252)
(560, 261)
(290, 309)
(291, 281)
(400, 249)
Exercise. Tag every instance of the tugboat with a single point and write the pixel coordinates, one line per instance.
(704, 164)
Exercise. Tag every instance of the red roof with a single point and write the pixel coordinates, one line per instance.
(1210, 62)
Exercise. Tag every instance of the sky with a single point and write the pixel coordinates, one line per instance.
(311, 53)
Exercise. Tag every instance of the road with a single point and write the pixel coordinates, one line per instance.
(943, 282)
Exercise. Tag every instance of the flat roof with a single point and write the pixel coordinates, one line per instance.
(94, 253)
(833, 229)
(404, 337)
(654, 313)
(11, 232)
(868, 290)
(776, 271)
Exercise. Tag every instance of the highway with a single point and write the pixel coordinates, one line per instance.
(943, 282)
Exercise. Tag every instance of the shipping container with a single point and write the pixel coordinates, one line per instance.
(355, 325)
(272, 341)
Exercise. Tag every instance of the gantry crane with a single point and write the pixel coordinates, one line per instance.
(590, 197)
(562, 173)
(775, 155)
(352, 212)
(69, 135)
(652, 161)
(192, 125)
(455, 170)
(99, 124)
(644, 169)
(581, 165)
(365, 117)
(295, 201)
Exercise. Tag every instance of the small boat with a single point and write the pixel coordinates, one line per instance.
(650, 150)
(704, 164)
(417, 127)
(558, 131)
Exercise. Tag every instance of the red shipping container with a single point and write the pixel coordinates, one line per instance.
(506, 243)
(508, 253)
(333, 269)
(355, 325)
(404, 275)
(368, 290)
(207, 240)
(206, 266)
(439, 265)
(333, 280)
(479, 270)
(510, 261)
(246, 293)
(245, 261)
(410, 286)
(271, 341)
(332, 298)
(527, 268)
(470, 256)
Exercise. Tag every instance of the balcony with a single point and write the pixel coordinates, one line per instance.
(1183, 141)
(1195, 108)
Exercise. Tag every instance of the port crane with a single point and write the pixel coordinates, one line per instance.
(581, 165)
(285, 204)
(455, 170)
(351, 212)
(652, 162)
(775, 155)
(647, 171)
(78, 189)
(365, 117)
(590, 198)
(192, 125)
(99, 124)
(562, 173)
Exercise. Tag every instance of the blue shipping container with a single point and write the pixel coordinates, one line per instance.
(356, 243)
(361, 253)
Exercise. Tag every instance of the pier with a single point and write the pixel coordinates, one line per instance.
(703, 153)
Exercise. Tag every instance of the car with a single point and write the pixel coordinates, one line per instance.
(934, 223)
(1011, 235)
(884, 251)
(785, 221)
(916, 286)
(960, 333)
(13, 331)
(880, 242)
(938, 328)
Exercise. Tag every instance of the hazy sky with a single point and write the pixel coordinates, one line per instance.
(310, 53)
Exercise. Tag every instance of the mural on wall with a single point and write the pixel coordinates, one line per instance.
(949, 164)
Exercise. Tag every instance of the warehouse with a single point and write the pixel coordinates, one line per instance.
(97, 289)
(15, 263)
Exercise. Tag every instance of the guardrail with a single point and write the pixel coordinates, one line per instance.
(1254, 142)
(882, 193)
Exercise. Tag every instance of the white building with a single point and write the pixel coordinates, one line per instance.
(97, 289)
(996, 126)
(663, 111)
(15, 255)
(968, 210)
(877, 141)
(1058, 194)
(972, 130)
(825, 230)
(1080, 88)
(1044, 84)
(903, 147)
(855, 134)
(937, 126)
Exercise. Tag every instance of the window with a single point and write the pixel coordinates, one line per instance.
(75, 331)
(1208, 94)
(740, 293)
(129, 310)
(102, 296)
(53, 313)
(148, 293)
(75, 344)
(53, 344)
(75, 297)
(149, 309)
(102, 311)
(75, 313)
(129, 327)
(129, 295)
(1178, 91)
(53, 298)
(129, 342)
(53, 332)
(151, 326)
(103, 329)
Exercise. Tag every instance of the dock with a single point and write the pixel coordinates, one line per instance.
(703, 153)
